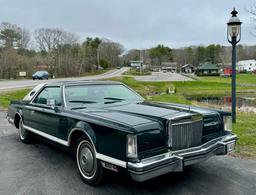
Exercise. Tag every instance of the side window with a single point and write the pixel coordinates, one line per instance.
(49, 93)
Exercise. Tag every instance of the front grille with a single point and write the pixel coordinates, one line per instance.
(184, 135)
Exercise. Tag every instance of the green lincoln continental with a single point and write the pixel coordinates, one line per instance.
(109, 126)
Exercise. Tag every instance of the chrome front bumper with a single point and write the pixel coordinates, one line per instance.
(174, 161)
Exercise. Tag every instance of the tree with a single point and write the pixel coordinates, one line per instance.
(110, 51)
(51, 42)
(49, 38)
(25, 37)
(104, 63)
(13, 36)
(252, 10)
(160, 53)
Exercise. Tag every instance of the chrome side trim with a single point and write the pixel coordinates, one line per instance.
(99, 156)
(111, 160)
(50, 137)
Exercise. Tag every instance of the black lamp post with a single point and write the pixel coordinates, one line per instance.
(234, 36)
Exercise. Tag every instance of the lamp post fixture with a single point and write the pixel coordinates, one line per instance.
(234, 36)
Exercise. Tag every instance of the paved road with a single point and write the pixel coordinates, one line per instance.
(15, 84)
(41, 168)
(160, 76)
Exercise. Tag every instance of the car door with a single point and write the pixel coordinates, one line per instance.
(43, 117)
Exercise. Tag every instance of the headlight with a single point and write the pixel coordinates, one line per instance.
(132, 146)
(227, 121)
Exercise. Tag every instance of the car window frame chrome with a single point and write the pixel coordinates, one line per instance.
(44, 105)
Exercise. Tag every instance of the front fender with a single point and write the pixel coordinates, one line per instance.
(85, 128)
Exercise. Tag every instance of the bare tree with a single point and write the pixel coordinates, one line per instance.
(24, 38)
(49, 38)
(252, 10)
(111, 51)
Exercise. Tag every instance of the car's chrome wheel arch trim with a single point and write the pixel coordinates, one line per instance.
(86, 129)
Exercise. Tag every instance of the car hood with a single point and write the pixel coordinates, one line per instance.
(138, 113)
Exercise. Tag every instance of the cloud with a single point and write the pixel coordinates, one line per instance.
(135, 24)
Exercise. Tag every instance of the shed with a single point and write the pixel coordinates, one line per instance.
(188, 68)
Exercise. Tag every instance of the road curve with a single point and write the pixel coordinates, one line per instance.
(18, 84)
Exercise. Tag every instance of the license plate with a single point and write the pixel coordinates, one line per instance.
(230, 147)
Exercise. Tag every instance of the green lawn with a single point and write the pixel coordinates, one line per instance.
(241, 79)
(96, 72)
(6, 97)
(245, 128)
(145, 88)
(216, 86)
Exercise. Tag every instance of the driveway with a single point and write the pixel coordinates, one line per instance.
(41, 168)
(161, 76)
(16, 84)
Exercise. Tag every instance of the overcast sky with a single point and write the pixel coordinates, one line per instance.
(134, 23)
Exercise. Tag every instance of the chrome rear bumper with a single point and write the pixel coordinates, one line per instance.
(175, 161)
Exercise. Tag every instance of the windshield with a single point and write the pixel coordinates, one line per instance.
(40, 72)
(84, 95)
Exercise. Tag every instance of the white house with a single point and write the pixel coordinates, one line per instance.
(188, 68)
(246, 65)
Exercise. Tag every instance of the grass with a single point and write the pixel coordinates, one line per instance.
(145, 88)
(245, 128)
(6, 97)
(96, 72)
(241, 79)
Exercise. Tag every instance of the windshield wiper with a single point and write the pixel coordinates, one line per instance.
(82, 101)
(113, 98)
(77, 108)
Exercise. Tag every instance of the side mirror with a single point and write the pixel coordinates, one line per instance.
(52, 104)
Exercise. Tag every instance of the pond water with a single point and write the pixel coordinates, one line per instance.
(245, 102)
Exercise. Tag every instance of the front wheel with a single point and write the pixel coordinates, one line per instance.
(89, 167)
(25, 135)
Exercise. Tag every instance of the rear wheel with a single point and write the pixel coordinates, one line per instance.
(89, 167)
(25, 135)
